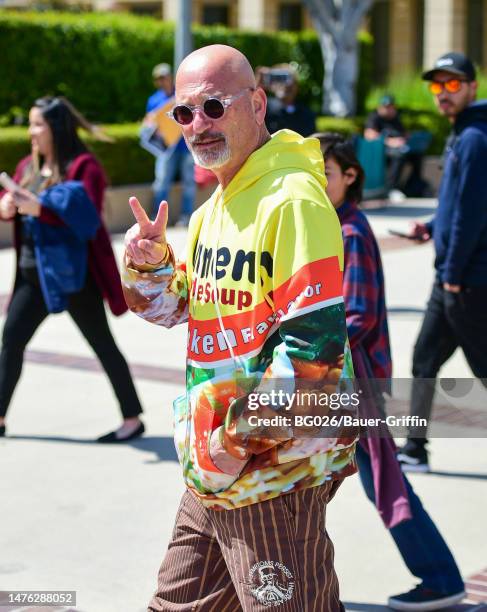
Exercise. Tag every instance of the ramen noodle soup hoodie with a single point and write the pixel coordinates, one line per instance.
(261, 290)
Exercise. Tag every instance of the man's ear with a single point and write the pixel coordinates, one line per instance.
(259, 102)
(473, 88)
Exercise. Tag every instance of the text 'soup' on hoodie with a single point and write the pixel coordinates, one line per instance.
(261, 290)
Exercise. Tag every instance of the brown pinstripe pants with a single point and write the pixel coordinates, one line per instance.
(274, 554)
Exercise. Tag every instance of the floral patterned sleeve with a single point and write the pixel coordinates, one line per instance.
(158, 295)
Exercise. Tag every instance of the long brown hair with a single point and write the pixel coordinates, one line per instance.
(63, 120)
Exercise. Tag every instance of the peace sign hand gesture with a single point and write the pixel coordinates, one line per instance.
(145, 242)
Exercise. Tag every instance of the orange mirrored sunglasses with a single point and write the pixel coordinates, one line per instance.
(451, 86)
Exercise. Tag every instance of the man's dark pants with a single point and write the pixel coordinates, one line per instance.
(452, 320)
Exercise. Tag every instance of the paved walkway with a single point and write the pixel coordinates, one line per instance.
(78, 516)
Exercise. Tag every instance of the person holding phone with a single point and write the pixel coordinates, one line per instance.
(456, 314)
(64, 257)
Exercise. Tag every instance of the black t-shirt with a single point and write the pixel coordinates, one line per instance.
(296, 117)
(387, 127)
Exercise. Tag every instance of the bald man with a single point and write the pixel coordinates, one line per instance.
(260, 288)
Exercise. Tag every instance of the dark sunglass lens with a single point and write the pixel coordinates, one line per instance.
(183, 114)
(213, 108)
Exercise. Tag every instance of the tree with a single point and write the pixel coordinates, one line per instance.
(337, 23)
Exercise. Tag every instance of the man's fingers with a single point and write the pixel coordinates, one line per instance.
(131, 234)
(154, 252)
(160, 222)
(146, 245)
(139, 213)
(136, 254)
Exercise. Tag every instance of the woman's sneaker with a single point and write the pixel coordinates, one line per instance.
(421, 598)
(413, 457)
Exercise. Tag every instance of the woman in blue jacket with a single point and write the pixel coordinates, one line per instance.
(64, 256)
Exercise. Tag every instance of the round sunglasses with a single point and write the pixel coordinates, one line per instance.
(214, 108)
(451, 86)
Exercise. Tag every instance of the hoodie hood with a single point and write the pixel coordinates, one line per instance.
(285, 153)
(475, 113)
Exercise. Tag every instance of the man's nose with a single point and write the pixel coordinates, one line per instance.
(201, 121)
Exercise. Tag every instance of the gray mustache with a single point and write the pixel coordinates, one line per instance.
(205, 137)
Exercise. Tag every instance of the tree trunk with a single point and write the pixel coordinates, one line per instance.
(341, 72)
(337, 23)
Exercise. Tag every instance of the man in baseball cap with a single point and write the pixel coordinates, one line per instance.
(453, 63)
(161, 71)
(452, 82)
(455, 315)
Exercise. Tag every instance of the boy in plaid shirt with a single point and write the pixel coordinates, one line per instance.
(384, 484)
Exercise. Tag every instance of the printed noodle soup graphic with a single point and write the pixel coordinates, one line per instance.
(268, 482)
(211, 408)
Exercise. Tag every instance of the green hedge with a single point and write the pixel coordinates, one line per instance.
(418, 109)
(103, 62)
(348, 126)
(412, 121)
(412, 92)
(125, 162)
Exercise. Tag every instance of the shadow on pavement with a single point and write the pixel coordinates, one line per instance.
(405, 310)
(364, 607)
(465, 475)
(161, 446)
(401, 211)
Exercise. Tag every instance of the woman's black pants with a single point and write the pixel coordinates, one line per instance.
(27, 310)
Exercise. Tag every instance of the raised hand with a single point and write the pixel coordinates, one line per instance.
(145, 242)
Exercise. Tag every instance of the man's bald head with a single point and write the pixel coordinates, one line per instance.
(221, 77)
(216, 64)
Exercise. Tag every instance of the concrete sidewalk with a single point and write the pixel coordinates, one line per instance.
(95, 519)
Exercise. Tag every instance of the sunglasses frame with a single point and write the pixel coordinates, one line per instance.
(225, 102)
(443, 86)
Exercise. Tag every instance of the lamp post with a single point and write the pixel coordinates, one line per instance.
(184, 40)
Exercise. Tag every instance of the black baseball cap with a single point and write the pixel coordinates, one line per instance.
(456, 63)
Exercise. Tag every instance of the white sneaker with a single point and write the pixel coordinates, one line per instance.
(396, 196)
